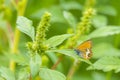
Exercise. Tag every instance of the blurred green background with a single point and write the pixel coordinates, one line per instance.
(107, 13)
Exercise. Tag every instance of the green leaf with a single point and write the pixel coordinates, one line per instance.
(47, 74)
(105, 31)
(18, 58)
(57, 40)
(98, 76)
(56, 12)
(71, 53)
(106, 63)
(23, 73)
(35, 64)
(71, 5)
(6, 73)
(70, 19)
(104, 49)
(99, 21)
(109, 10)
(25, 26)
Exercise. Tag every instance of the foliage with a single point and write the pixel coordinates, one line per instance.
(45, 74)
(56, 40)
(105, 31)
(25, 25)
(7, 74)
(107, 63)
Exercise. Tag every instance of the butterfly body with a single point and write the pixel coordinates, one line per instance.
(84, 50)
(77, 51)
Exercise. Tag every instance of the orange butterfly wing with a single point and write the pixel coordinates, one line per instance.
(84, 45)
(84, 48)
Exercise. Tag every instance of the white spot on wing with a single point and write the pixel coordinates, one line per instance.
(87, 53)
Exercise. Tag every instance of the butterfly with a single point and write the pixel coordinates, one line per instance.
(84, 49)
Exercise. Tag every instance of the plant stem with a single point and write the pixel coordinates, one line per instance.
(90, 3)
(58, 61)
(73, 69)
(14, 48)
(21, 9)
(10, 35)
(30, 77)
(108, 75)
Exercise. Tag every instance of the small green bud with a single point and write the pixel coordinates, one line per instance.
(29, 45)
(81, 28)
(41, 33)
